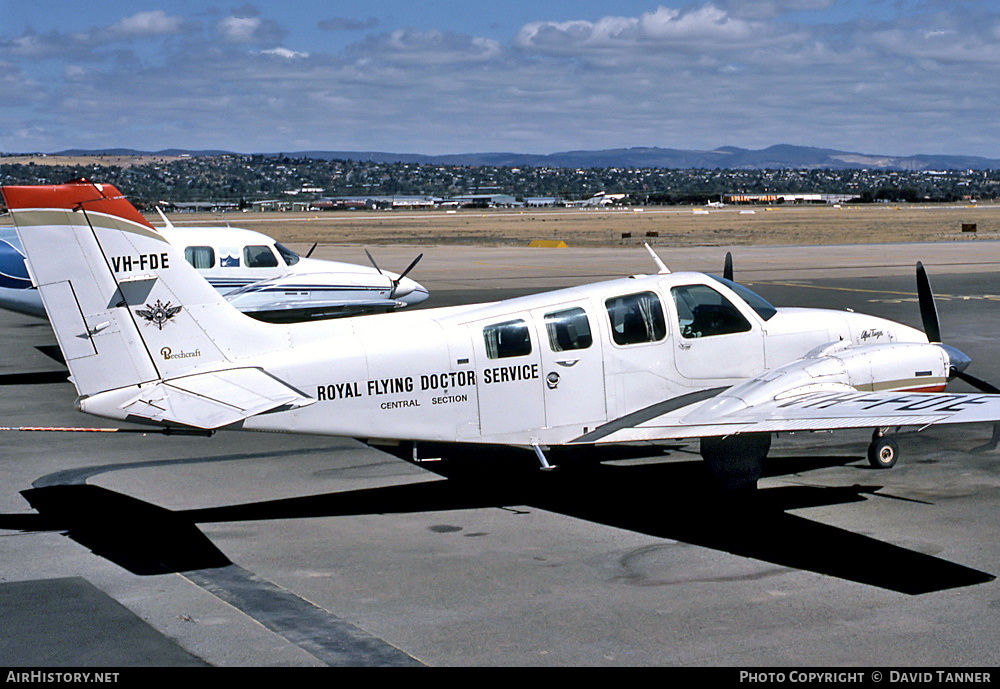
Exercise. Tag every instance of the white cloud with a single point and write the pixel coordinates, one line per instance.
(285, 53)
(427, 47)
(242, 29)
(88, 44)
(706, 27)
(708, 23)
(239, 29)
(144, 24)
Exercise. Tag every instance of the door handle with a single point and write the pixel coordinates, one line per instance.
(567, 362)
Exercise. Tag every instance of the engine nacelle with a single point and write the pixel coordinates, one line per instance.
(840, 366)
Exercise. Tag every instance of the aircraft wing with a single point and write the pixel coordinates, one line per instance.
(283, 311)
(719, 413)
(214, 399)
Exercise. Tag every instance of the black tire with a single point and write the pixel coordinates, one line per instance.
(883, 452)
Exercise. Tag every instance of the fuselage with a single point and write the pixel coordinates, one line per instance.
(233, 258)
(544, 369)
(272, 277)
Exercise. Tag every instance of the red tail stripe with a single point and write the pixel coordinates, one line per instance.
(102, 198)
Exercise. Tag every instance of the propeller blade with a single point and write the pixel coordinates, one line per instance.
(373, 261)
(981, 385)
(395, 283)
(928, 311)
(410, 267)
(932, 328)
(727, 271)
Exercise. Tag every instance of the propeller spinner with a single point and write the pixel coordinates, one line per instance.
(395, 283)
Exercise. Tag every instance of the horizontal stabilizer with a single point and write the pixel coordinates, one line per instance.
(209, 400)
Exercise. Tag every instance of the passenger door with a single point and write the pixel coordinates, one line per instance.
(639, 370)
(509, 376)
(572, 367)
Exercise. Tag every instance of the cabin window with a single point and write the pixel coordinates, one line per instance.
(291, 258)
(636, 318)
(504, 340)
(259, 257)
(568, 329)
(201, 257)
(703, 312)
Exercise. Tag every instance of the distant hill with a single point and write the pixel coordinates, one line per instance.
(167, 153)
(781, 156)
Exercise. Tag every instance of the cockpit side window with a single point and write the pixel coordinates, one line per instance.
(703, 312)
(507, 339)
(201, 257)
(636, 318)
(568, 329)
(756, 302)
(259, 257)
(289, 256)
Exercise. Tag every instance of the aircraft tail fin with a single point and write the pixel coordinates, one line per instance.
(126, 308)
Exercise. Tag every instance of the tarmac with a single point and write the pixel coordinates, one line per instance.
(142, 550)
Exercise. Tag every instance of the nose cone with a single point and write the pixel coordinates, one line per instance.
(410, 292)
(957, 361)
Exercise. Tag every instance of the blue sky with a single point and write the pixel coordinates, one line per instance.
(889, 77)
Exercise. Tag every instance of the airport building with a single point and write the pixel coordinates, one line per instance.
(539, 201)
(483, 201)
(790, 198)
(404, 202)
(199, 206)
(374, 202)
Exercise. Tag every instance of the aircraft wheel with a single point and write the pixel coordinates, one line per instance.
(883, 452)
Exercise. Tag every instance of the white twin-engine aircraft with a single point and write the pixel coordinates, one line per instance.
(258, 276)
(268, 281)
(646, 358)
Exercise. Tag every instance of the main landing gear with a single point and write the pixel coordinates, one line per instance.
(541, 459)
(883, 450)
(736, 461)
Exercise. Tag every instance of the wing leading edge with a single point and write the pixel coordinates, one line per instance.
(815, 410)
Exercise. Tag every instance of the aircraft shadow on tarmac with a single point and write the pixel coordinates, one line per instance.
(668, 499)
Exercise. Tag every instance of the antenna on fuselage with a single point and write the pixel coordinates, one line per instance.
(663, 270)
(166, 222)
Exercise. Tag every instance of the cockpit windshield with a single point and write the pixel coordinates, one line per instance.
(753, 300)
(290, 257)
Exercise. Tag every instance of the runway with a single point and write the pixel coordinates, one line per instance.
(133, 549)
